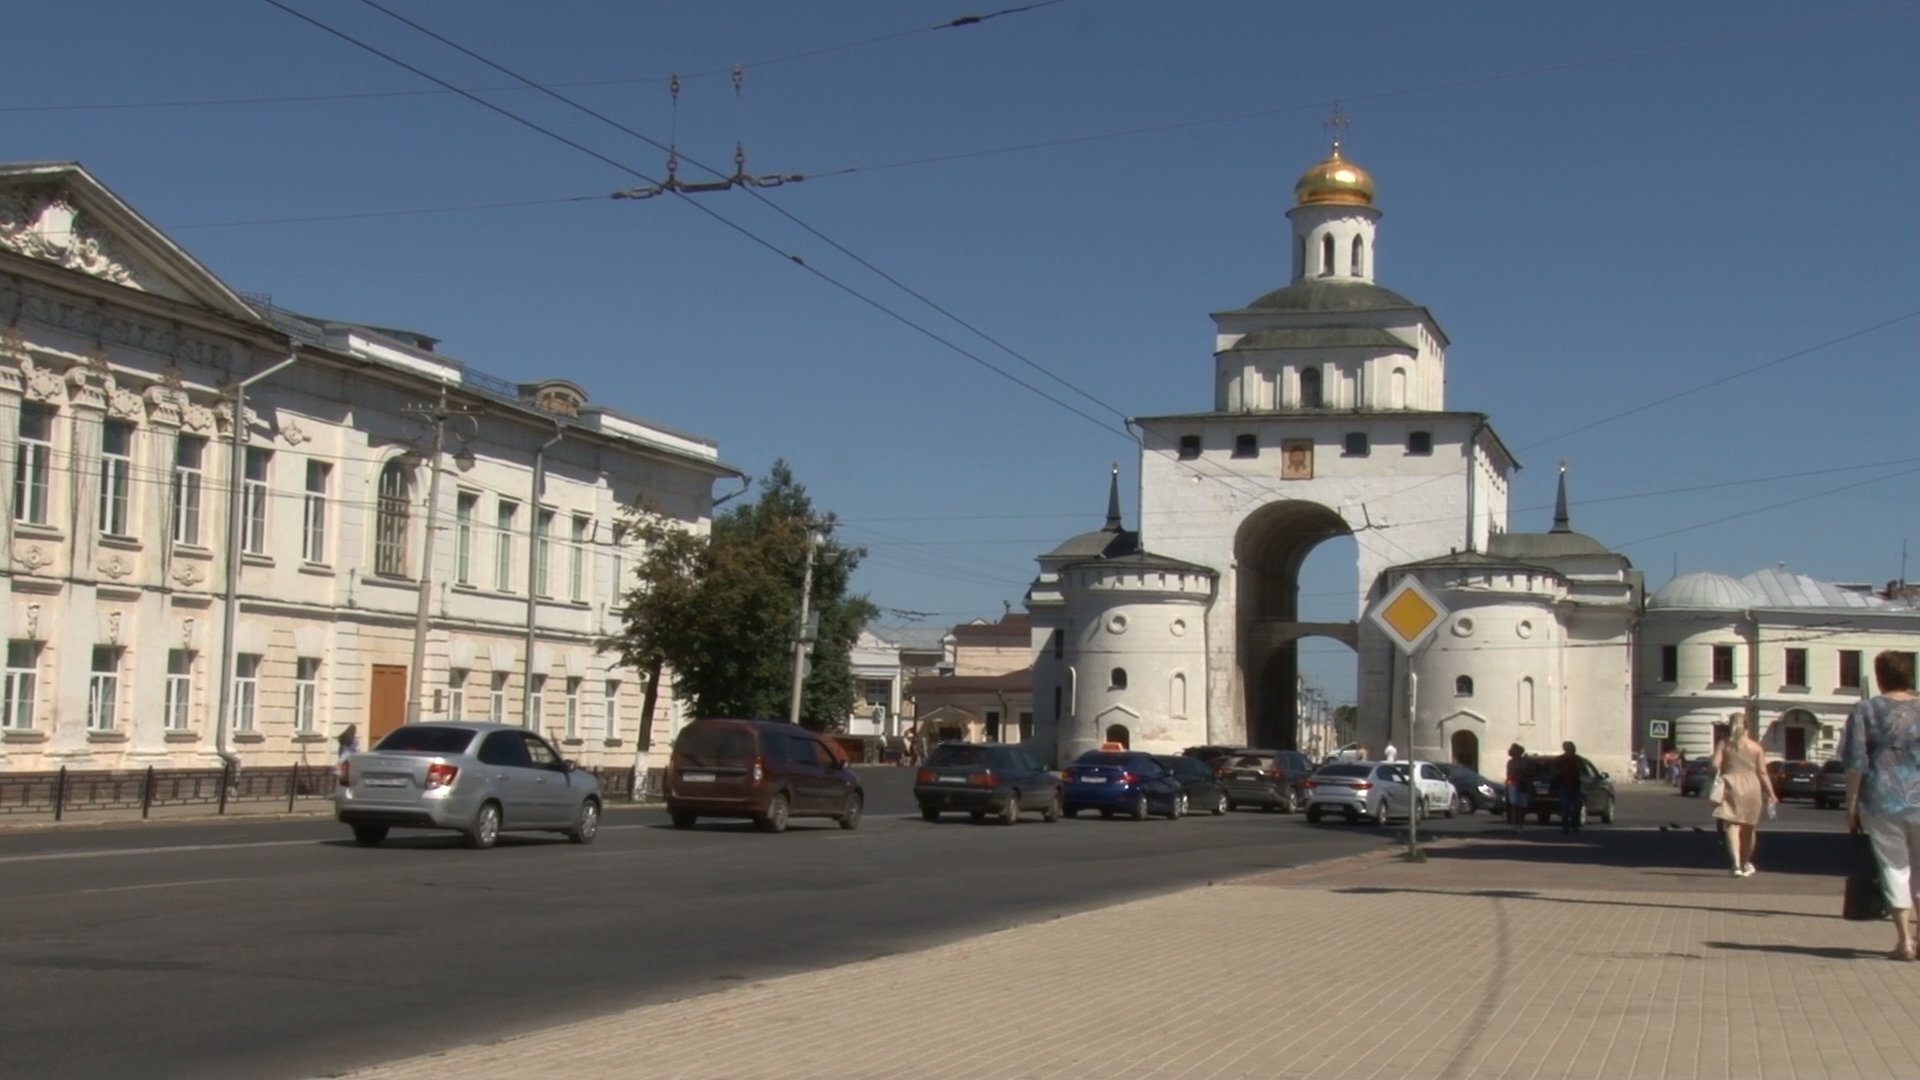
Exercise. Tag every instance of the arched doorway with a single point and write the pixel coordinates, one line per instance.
(1117, 733)
(1799, 735)
(1269, 549)
(1466, 749)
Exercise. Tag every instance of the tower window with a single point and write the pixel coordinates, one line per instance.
(1189, 447)
(1723, 663)
(1119, 679)
(1246, 446)
(1356, 444)
(1359, 258)
(1669, 663)
(1420, 443)
(1310, 397)
(1300, 258)
(1463, 686)
(1326, 255)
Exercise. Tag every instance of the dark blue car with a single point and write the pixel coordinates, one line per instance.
(1122, 782)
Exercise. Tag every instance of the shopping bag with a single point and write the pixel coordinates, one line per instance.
(1717, 794)
(1866, 898)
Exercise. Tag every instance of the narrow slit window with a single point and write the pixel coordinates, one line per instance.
(1326, 255)
(1359, 257)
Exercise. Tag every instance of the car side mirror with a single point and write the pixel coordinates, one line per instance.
(568, 766)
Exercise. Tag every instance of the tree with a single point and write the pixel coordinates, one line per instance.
(721, 611)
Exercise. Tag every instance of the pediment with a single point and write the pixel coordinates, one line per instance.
(59, 214)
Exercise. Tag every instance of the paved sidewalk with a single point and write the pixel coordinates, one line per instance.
(1497, 958)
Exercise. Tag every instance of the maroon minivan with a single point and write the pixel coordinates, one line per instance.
(764, 770)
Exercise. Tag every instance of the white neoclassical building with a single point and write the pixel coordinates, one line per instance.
(119, 362)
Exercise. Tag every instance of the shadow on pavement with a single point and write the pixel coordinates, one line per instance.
(1776, 853)
(1825, 952)
(1522, 894)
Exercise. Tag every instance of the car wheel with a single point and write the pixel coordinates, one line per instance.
(1179, 808)
(587, 825)
(1313, 815)
(928, 813)
(369, 835)
(485, 831)
(1140, 808)
(1380, 813)
(1221, 805)
(684, 820)
(1293, 801)
(850, 817)
(1010, 810)
(1606, 811)
(776, 816)
(1052, 813)
(1453, 806)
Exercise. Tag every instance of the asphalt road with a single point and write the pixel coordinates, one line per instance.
(281, 950)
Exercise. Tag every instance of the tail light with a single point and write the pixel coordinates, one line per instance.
(1128, 778)
(1273, 774)
(759, 768)
(1364, 785)
(981, 779)
(1308, 783)
(346, 773)
(441, 775)
(924, 776)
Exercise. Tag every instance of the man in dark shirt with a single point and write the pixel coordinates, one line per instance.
(1566, 778)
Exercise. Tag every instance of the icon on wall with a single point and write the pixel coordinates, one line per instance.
(1296, 459)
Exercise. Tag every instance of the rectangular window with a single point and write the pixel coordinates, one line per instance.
(1246, 446)
(179, 701)
(313, 524)
(116, 473)
(618, 578)
(993, 725)
(246, 690)
(1356, 444)
(877, 692)
(577, 568)
(306, 694)
(1850, 669)
(537, 703)
(573, 708)
(463, 509)
(497, 698)
(613, 708)
(23, 668)
(103, 689)
(1669, 663)
(1723, 663)
(1420, 443)
(1189, 447)
(31, 466)
(189, 453)
(542, 551)
(253, 502)
(503, 546)
(1796, 667)
(457, 693)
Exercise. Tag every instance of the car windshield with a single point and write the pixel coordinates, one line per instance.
(426, 739)
(1345, 770)
(962, 756)
(1251, 761)
(711, 745)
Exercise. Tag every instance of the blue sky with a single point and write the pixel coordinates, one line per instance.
(1603, 205)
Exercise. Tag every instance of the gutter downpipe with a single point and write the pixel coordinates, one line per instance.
(533, 568)
(236, 487)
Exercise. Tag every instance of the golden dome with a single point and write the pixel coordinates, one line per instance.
(1335, 181)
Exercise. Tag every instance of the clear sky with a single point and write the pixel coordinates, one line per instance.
(1603, 204)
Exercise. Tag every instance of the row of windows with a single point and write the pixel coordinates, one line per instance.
(392, 515)
(1849, 669)
(490, 701)
(1356, 257)
(1117, 680)
(1355, 444)
(1463, 687)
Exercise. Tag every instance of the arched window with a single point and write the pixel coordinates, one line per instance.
(390, 521)
(1399, 388)
(1359, 258)
(1326, 254)
(1463, 686)
(1526, 700)
(1177, 696)
(1119, 679)
(1310, 388)
(1300, 258)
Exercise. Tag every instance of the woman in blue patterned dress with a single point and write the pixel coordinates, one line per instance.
(1881, 746)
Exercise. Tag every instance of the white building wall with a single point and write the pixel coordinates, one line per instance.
(1149, 623)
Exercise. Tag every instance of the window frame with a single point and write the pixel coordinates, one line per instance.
(313, 513)
(612, 713)
(1854, 658)
(392, 514)
(506, 515)
(573, 706)
(1188, 447)
(1419, 444)
(189, 484)
(116, 472)
(497, 697)
(456, 693)
(306, 695)
(1356, 444)
(21, 686)
(582, 530)
(1669, 663)
(246, 690)
(103, 688)
(1246, 445)
(33, 464)
(1727, 673)
(1793, 658)
(258, 461)
(543, 553)
(177, 706)
(464, 505)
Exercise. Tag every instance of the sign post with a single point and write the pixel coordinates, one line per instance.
(1409, 615)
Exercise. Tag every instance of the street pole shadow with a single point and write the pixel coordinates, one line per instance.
(1776, 853)
(1527, 894)
(1824, 952)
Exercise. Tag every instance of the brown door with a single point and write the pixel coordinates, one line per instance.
(1796, 744)
(387, 702)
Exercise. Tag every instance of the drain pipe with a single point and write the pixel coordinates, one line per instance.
(236, 488)
(533, 568)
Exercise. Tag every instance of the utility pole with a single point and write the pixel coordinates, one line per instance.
(803, 641)
(536, 557)
(437, 413)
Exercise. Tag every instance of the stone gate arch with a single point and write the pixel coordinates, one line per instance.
(1270, 546)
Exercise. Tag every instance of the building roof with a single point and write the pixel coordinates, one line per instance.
(1546, 545)
(1474, 560)
(1319, 337)
(1146, 560)
(1013, 624)
(1704, 590)
(1332, 294)
(1779, 587)
(973, 684)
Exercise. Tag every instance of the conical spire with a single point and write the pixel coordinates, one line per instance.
(1113, 500)
(1562, 523)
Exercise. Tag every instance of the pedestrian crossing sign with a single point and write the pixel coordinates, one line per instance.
(1409, 614)
(1658, 729)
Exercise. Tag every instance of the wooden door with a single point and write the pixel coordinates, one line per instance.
(1796, 744)
(387, 701)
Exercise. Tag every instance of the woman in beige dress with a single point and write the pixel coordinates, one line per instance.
(1741, 763)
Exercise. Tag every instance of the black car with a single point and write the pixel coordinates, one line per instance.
(1268, 779)
(986, 778)
(1696, 776)
(1793, 779)
(1544, 796)
(1830, 785)
(1476, 791)
(1205, 790)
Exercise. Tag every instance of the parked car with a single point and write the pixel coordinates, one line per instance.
(476, 779)
(1268, 779)
(1830, 785)
(1794, 779)
(763, 770)
(1544, 797)
(983, 778)
(1476, 791)
(1218, 758)
(1696, 776)
(1122, 782)
(1375, 790)
(1204, 787)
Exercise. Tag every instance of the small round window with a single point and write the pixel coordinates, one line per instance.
(1463, 626)
(1117, 624)
(1524, 629)
(1179, 628)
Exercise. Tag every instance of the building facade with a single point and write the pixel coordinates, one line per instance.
(136, 492)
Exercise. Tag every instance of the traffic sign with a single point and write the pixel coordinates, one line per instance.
(1659, 729)
(1409, 614)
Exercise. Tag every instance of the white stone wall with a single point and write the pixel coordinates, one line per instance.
(1151, 624)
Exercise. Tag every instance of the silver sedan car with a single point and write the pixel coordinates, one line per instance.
(476, 779)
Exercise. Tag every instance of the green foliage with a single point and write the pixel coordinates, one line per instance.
(722, 610)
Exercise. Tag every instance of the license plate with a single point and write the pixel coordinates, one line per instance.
(1093, 779)
(696, 778)
(385, 781)
(953, 779)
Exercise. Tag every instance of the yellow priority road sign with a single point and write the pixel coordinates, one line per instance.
(1409, 614)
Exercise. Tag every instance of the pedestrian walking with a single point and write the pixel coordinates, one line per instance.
(1390, 754)
(1516, 786)
(1745, 791)
(1566, 781)
(347, 743)
(1881, 747)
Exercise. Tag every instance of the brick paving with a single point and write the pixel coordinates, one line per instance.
(1497, 958)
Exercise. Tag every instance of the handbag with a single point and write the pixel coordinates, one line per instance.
(1866, 897)
(1718, 792)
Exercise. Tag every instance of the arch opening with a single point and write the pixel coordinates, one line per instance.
(1119, 735)
(1271, 548)
(1465, 747)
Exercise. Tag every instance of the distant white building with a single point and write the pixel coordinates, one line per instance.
(117, 372)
